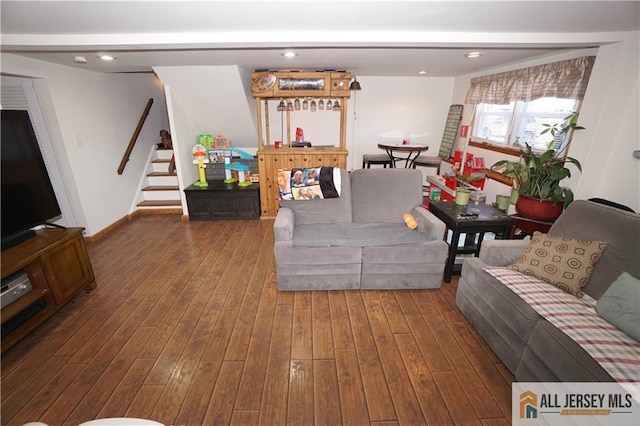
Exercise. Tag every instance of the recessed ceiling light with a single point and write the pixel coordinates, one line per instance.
(79, 59)
(475, 54)
(107, 57)
(422, 72)
(289, 54)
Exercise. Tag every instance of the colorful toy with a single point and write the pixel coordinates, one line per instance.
(199, 152)
(206, 141)
(230, 167)
(410, 221)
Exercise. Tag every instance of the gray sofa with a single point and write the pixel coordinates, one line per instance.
(360, 239)
(531, 347)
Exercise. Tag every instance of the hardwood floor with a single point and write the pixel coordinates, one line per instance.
(186, 327)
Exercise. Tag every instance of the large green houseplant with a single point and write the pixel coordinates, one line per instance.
(537, 175)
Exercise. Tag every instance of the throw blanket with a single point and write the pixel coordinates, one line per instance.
(616, 352)
(309, 184)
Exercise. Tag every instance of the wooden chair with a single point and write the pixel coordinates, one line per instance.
(425, 161)
(369, 159)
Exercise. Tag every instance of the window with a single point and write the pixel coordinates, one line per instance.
(521, 122)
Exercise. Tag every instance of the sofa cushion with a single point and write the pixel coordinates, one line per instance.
(329, 210)
(355, 235)
(564, 262)
(385, 195)
(620, 305)
(620, 229)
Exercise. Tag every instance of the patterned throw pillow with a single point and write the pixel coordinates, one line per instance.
(563, 262)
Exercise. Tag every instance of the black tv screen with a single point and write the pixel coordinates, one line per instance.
(28, 198)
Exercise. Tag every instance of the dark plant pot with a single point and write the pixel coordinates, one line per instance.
(538, 209)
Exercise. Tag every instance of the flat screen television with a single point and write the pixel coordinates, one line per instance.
(28, 199)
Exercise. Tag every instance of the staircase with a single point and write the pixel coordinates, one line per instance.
(160, 193)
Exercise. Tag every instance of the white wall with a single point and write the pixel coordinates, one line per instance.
(102, 111)
(610, 114)
(207, 100)
(390, 109)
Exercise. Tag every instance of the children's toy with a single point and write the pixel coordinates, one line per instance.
(229, 166)
(410, 220)
(220, 142)
(206, 141)
(200, 154)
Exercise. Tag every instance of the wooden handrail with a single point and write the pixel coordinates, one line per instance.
(134, 138)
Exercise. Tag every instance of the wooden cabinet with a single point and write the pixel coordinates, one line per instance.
(271, 159)
(58, 267)
(278, 85)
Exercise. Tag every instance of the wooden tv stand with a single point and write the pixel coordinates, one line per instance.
(57, 264)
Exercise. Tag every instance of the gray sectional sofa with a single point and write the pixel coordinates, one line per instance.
(360, 239)
(531, 347)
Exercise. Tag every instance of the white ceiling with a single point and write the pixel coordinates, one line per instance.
(375, 38)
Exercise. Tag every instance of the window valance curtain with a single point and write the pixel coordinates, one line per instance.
(565, 79)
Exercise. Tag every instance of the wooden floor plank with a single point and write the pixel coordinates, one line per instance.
(302, 335)
(373, 379)
(424, 337)
(475, 388)
(245, 418)
(476, 354)
(177, 388)
(186, 326)
(196, 402)
(43, 400)
(396, 319)
(126, 390)
(322, 331)
(456, 399)
(340, 323)
(431, 401)
(495, 383)
(354, 404)
(301, 397)
(220, 407)
(20, 397)
(241, 336)
(326, 395)
(145, 402)
(252, 381)
(404, 399)
(93, 401)
(273, 410)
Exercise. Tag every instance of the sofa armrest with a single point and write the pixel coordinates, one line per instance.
(283, 225)
(502, 252)
(428, 223)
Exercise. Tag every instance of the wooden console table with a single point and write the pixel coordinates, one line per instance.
(58, 267)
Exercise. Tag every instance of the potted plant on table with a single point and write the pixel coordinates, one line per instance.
(537, 175)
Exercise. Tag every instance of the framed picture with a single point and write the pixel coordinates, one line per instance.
(301, 84)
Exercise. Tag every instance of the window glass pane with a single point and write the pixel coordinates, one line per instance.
(530, 117)
(521, 122)
(492, 122)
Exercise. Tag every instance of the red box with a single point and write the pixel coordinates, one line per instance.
(475, 162)
(476, 171)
